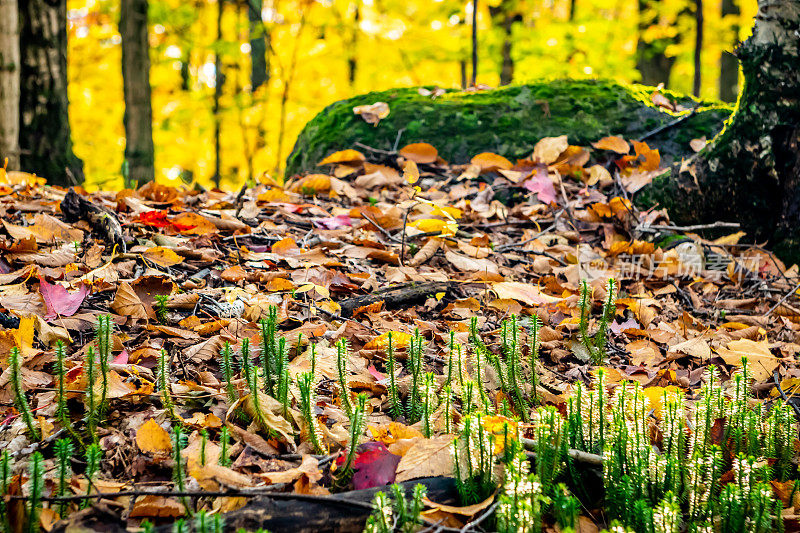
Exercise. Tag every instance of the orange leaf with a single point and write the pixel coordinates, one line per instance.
(152, 438)
(286, 246)
(279, 284)
(420, 153)
(193, 224)
(613, 143)
(650, 158)
(343, 156)
(489, 162)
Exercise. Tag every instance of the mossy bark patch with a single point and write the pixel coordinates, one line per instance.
(507, 121)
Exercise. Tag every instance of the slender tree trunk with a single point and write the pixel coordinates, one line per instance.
(728, 64)
(504, 15)
(44, 131)
(9, 83)
(138, 118)
(751, 172)
(698, 47)
(352, 59)
(474, 79)
(219, 80)
(259, 73)
(573, 7)
(651, 59)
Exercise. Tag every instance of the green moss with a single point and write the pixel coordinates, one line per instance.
(508, 121)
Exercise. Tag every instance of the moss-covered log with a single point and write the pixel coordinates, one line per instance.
(507, 121)
(751, 172)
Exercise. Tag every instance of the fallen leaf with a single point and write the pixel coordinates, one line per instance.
(419, 153)
(127, 303)
(613, 143)
(428, 457)
(374, 466)
(760, 359)
(152, 438)
(60, 302)
(548, 149)
(343, 156)
(490, 162)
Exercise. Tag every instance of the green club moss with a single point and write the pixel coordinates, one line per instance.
(507, 121)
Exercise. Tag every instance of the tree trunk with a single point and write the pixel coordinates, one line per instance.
(504, 16)
(259, 73)
(698, 47)
(219, 80)
(651, 59)
(9, 83)
(44, 136)
(751, 172)
(728, 64)
(138, 118)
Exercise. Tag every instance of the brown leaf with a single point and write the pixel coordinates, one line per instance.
(428, 457)
(150, 506)
(127, 303)
(548, 149)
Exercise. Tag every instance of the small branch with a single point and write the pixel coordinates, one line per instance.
(668, 125)
(785, 297)
(695, 227)
(796, 408)
(576, 455)
(381, 228)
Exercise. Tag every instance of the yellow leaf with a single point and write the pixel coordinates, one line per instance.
(400, 340)
(152, 438)
(162, 256)
(411, 172)
(343, 156)
(655, 396)
(446, 211)
(428, 225)
(274, 194)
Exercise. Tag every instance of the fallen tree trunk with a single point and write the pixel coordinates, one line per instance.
(751, 172)
(508, 121)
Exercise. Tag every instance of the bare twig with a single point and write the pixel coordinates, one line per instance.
(576, 455)
(785, 297)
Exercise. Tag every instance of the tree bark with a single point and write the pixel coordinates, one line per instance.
(750, 173)
(9, 83)
(44, 136)
(698, 47)
(138, 118)
(504, 15)
(259, 69)
(728, 64)
(651, 59)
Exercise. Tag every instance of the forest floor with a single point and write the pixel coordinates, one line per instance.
(380, 242)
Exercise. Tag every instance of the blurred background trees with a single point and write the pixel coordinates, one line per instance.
(231, 82)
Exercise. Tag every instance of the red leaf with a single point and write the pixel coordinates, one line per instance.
(59, 301)
(540, 184)
(157, 219)
(374, 466)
